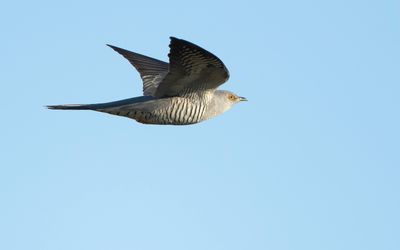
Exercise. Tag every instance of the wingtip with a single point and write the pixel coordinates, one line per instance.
(117, 49)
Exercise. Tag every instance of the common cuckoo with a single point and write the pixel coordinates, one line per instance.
(181, 92)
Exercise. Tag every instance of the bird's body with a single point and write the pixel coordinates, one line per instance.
(180, 93)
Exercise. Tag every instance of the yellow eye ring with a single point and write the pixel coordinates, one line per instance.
(231, 97)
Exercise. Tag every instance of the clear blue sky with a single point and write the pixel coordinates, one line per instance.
(310, 162)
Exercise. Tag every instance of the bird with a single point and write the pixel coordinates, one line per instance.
(181, 92)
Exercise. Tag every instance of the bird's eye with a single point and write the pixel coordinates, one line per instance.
(231, 97)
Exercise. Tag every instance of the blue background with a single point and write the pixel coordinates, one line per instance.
(310, 162)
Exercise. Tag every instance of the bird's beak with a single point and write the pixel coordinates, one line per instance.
(242, 99)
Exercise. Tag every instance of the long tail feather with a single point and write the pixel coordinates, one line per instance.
(98, 106)
(70, 106)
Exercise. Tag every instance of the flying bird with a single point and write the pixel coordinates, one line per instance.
(181, 92)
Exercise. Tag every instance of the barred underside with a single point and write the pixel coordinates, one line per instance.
(187, 109)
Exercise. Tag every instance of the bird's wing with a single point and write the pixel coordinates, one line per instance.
(152, 71)
(191, 68)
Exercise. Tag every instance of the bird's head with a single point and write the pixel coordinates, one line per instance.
(222, 101)
(233, 98)
(228, 97)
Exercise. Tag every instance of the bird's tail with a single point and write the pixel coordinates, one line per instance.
(102, 106)
(71, 107)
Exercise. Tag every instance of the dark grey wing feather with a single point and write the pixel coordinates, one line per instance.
(152, 71)
(191, 68)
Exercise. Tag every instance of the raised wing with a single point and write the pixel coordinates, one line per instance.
(191, 68)
(152, 71)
